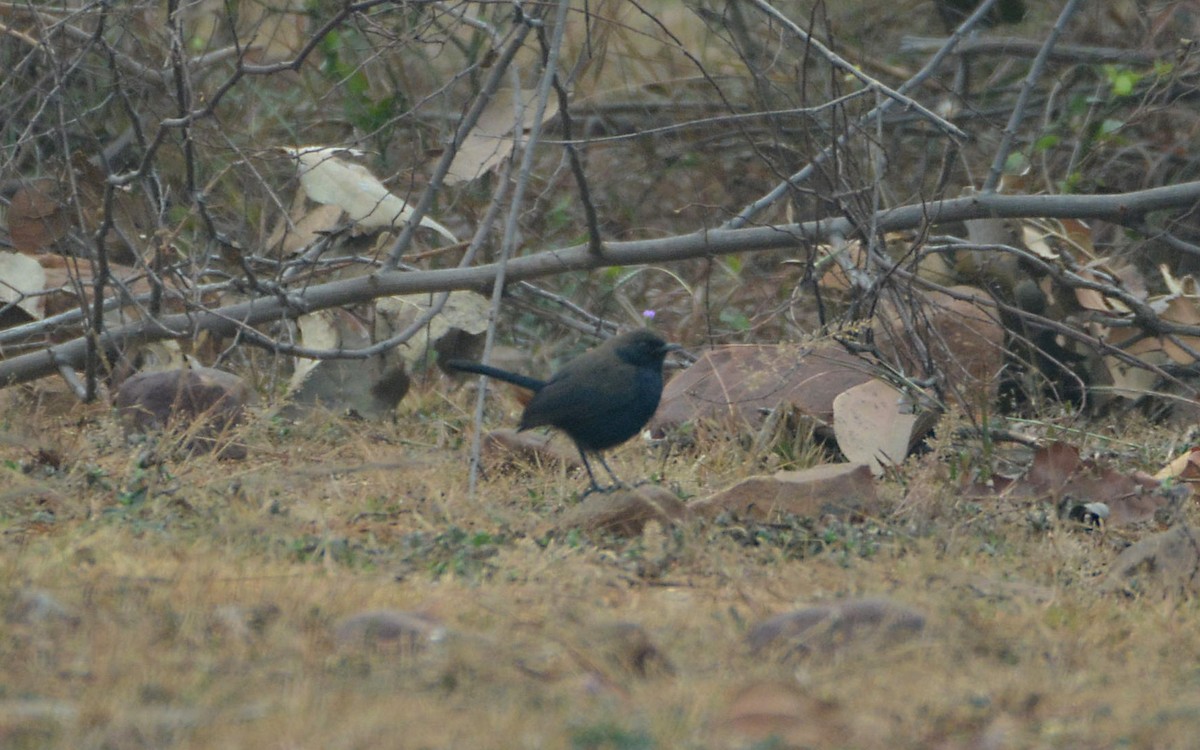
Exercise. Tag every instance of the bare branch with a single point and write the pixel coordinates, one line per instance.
(1122, 208)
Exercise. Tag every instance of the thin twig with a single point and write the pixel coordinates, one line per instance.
(510, 228)
(779, 191)
(839, 62)
(1018, 110)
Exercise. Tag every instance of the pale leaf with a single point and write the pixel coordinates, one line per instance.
(465, 311)
(871, 427)
(1035, 242)
(21, 275)
(329, 179)
(491, 140)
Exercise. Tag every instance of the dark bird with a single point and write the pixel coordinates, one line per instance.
(600, 399)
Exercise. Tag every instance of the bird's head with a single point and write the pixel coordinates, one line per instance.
(642, 348)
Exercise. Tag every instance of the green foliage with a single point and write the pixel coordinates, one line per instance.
(610, 736)
(454, 551)
(734, 319)
(368, 114)
(1121, 79)
(797, 538)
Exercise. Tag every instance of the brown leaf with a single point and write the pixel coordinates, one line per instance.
(22, 275)
(37, 217)
(491, 141)
(1053, 466)
(1058, 472)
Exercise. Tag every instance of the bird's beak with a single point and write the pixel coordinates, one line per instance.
(672, 348)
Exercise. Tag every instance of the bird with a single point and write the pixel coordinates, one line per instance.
(599, 399)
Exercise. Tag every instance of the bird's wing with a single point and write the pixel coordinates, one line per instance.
(567, 397)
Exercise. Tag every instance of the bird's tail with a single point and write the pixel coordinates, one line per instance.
(524, 381)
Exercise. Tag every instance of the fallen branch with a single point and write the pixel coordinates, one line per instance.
(1128, 209)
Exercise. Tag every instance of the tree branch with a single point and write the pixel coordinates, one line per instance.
(1123, 208)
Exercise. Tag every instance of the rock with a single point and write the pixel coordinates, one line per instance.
(963, 342)
(389, 630)
(833, 627)
(200, 401)
(1167, 562)
(625, 512)
(839, 489)
(737, 385)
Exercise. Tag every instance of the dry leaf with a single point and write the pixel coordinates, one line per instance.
(1035, 242)
(302, 227)
(1184, 467)
(36, 217)
(21, 275)
(491, 141)
(463, 311)
(326, 329)
(329, 179)
(964, 341)
(872, 426)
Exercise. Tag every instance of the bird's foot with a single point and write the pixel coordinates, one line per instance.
(603, 490)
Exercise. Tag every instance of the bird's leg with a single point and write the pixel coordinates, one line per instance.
(616, 479)
(595, 485)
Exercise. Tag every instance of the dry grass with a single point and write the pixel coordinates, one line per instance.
(202, 598)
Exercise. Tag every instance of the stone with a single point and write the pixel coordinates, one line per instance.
(828, 628)
(838, 489)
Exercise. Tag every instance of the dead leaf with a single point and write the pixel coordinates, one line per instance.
(1059, 473)
(302, 227)
(367, 388)
(1036, 243)
(491, 141)
(875, 424)
(1184, 467)
(327, 178)
(20, 276)
(464, 312)
(37, 217)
